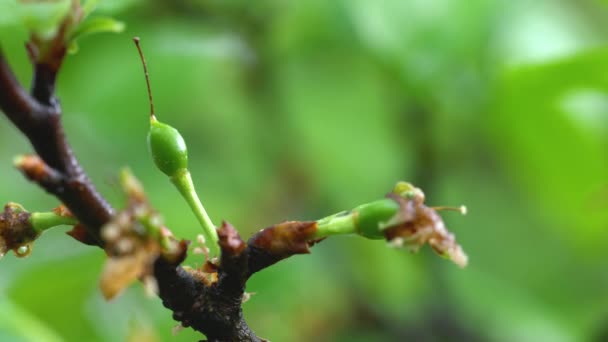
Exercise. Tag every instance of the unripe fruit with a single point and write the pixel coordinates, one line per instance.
(169, 152)
(167, 147)
(371, 215)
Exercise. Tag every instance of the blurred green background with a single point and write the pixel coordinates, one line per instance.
(298, 109)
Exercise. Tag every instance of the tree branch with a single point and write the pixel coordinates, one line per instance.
(213, 309)
(41, 124)
(14, 100)
(208, 299)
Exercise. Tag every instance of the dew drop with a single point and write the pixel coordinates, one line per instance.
(23, 251)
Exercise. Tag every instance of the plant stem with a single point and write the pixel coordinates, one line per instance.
(43, 221)
(183, 182)
(337, 224)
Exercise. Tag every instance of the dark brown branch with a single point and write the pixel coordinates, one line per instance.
(14, 99)
(47, 58)
(41, 124)
(216, 309)
(233, 268)
(43, 84)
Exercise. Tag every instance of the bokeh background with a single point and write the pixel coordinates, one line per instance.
(299, 109)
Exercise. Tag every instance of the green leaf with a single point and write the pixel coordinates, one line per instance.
(97, 25)
(16, 324)
(56, 302)
(43, 17)
(549, 125)
(8, 9)
(89, 6)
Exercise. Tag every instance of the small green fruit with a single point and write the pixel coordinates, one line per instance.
(169, 152)
(167, 147)
(372, 215)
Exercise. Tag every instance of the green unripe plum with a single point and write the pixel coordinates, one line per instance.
(372, 215)
(167, 147)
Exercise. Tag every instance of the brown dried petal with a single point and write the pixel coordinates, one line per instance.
(120, 272)
(407, 211)
(424, 226)
(202, 275)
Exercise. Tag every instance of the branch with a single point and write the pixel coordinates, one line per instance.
(402, 219)
(41, 124)
(19, 106)
(207, 299)
(213, 309)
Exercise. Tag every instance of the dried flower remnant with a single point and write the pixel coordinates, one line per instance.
(16, 231)
(20, 228)
(207, 271)
(134, 239)
(207, 274)
(416, 224)
(402, 219)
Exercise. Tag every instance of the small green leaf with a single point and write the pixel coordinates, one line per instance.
(88, 7)
(17, 324)
(558, 155)
(97, 25)
(43, 17)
